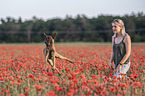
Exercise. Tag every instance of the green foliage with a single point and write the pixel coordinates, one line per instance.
(137, 38)
(80, 28)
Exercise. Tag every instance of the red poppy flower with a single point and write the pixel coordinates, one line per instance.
(27, 88)
(49, 74)
(31, 76)
(136, 84)
(112, 89)
(38, 87)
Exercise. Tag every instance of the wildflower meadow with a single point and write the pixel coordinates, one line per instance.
(22, 72)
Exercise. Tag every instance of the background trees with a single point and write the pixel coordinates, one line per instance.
(80, 28)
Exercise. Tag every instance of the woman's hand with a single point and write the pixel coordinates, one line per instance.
(118, 68)
(111, 66)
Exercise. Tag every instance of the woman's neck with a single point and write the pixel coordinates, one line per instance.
(118, 34)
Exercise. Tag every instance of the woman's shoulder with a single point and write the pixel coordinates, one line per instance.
(127, 37)
(113, 38)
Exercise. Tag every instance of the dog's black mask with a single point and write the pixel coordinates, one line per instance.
(49, 39)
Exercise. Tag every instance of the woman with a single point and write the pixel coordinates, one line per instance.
(121, 44)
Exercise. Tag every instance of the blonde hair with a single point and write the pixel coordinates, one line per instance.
(120, 23)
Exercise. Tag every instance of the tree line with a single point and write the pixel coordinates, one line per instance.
(80, 28)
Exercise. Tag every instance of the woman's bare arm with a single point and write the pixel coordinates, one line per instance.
(127, 42)
(112, 55)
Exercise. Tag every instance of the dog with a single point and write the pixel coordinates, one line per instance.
(50, 53)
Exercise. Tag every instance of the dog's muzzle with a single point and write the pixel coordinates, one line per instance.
(47, 44)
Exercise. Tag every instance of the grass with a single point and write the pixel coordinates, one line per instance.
(74, 44)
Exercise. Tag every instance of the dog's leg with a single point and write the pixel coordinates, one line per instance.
(45, 57)
(62, 57)
(52, 64)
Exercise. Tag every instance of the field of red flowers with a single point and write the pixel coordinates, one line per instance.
(22, 72)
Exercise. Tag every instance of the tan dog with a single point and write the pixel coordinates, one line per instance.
(50, 53)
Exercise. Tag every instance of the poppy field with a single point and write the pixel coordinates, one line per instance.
(22, 72)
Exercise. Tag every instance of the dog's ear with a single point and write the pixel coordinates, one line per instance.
(54, 35)
(45, 35)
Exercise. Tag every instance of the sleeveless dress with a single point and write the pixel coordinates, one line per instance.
(119, 50)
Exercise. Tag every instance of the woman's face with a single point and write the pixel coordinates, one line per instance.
(116, 28)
